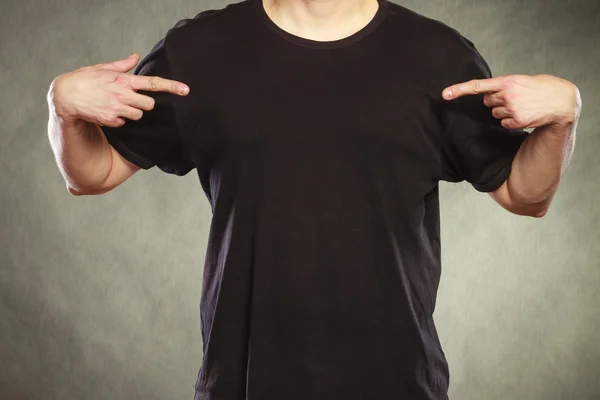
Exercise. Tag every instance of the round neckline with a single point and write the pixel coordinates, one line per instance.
(377, 19)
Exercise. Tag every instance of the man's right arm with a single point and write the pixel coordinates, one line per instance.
(87, 162)
(84, 101)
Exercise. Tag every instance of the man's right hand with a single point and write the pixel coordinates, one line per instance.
(80, 103)
(104, 94)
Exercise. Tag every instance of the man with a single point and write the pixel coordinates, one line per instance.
(319, 134)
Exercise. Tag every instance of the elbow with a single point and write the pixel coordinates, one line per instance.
(535, 213)
(540, 213)
(529, 207)
(530, 210)
(74, 191)
(540, 208)
(79, 192)
(83, 192)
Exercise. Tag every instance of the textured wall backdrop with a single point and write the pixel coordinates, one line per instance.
(99, 294)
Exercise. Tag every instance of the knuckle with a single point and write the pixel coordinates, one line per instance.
(116, 121)
(114, 107)
(86, 68)
(122, 79)
(511, 83)
(511, 108)
(154, 82)
(110, 117)
(509, 96)
(147, 105)
(137, 115)
(102, 76)
(119, 97)
(517, 80)
(518, 119)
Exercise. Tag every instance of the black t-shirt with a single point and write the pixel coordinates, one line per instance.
(321, 162)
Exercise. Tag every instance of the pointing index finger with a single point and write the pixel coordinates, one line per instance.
(474, 86)
(158, 84)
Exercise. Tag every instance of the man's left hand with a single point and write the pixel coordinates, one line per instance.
(524, 101)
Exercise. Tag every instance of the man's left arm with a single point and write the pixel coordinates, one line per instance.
(549, 104)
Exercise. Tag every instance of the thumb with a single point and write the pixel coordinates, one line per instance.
(122, 65)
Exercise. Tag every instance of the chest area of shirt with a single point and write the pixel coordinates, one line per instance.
(295, 105)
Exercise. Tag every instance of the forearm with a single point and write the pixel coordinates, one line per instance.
(81, 151)
(540, 164)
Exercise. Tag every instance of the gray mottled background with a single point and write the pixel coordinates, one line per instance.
(99, 294)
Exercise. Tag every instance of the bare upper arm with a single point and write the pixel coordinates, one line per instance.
(120, 171)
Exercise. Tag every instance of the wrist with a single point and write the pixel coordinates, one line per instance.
(563, 125)
(66, 120)
(59, 109)
(571, 115)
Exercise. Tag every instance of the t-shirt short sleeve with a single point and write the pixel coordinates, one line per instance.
(153, 140)
(475, 146)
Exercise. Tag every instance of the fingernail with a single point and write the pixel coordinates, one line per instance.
(448, 93)
(184, 90)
